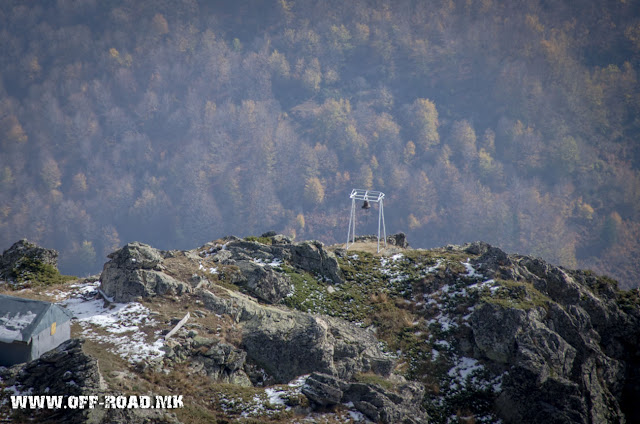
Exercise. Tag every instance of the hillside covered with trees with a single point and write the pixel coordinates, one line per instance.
(177, 122)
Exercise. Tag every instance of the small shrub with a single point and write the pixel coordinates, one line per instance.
(370, 378)
(263, 240)
(32, 273)
(512, 294)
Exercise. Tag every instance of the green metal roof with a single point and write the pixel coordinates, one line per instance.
(21, 319)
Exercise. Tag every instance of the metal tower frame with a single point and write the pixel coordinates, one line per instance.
(369, 196)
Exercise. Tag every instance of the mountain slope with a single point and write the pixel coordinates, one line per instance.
(516, 124)
(280, 331)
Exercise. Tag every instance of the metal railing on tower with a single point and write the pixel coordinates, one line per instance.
(368, 196)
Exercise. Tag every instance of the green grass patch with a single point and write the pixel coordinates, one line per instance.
(605, 283)
(513, 294)
(629, 300)
(312, 295)
(370, 378)
(263, 240)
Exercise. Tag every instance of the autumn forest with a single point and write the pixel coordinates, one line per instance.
(178, 122)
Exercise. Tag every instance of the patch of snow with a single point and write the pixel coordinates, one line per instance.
(468, 316)
(107, 298)
(471, 272)
(273, 395)
(491, 284)
(464, 367)
(463, 370)
(356, 416)
(299, 382)
(434, 267)
(12, 391)
(397, 256)
(121, 322)
(399, 279)
(57, 295)
(428, 299)
(442, 343)
(276, 262)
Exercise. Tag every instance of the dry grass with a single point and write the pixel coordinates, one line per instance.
(111, 365)
(180, 267)
(370, 247)
(222, 327)
(45, 293)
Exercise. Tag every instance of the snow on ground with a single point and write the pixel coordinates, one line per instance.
(270, 402)
(397, 256)
(434, 267)
(471, 272)
(209, 270)
(355, 415)
(445, 321)
(391, 268)
(491, 284)
(12, 391)
(276, 262)
(462, 370)
(57, 295)
(471, 374)
(118, 324)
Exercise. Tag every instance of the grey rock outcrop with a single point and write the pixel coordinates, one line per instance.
(68, 371)
(218, 360)
(135, 271)
(290, 343)
(139, 270)
(262, 281)
(65, 370)
(12, 259)
(310, 256)
(313, 257)
(382, 405)
(565, 358)
(324, 389)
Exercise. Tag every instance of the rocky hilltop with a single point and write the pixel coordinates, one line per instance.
(25, 264)
(279, 331)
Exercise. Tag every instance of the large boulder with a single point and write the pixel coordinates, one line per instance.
(206, 356)
(495, 330)
(263, 282)
(289, 344)
(68, 371)
(310, 256)
(324, 390)
(395, 403)
(135, 271)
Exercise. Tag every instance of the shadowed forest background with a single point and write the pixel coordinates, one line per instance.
(177, 122)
